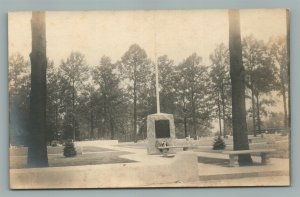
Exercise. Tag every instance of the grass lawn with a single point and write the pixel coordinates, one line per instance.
(84, 149)
(139, 145)
(281, 146)
(22, 151)
(220, 161)
(91, 156)
(89, 159)
(282, 150)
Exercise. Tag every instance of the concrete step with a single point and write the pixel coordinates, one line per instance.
(242, 175)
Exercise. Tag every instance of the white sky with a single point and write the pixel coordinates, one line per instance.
(176, 33)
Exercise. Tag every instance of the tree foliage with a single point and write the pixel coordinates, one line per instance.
(74, 71)
(221, 86)
(166, 81)
(135, 72)
(192, 101)
(111, 100)
(19, 92)
(260, 75)
(279, 53)
(109, 97)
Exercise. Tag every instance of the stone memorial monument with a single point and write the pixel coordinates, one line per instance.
(160, 127)
(160, 132)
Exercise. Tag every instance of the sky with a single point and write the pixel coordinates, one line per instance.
(176, 33)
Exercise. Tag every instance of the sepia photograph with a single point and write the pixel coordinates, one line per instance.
(149, 98)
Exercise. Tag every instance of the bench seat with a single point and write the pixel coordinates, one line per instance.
(264, 153)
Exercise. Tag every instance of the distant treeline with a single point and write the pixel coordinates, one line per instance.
(111, 100)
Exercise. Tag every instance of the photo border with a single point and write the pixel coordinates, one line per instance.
(62, 5)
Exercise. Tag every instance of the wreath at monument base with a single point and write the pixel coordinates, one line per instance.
(163, 143)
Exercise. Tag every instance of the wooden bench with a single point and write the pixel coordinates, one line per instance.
(264, 153)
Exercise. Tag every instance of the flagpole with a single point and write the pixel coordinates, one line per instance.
(157, 89)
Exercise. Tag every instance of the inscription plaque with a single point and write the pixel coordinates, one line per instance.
(162, 128)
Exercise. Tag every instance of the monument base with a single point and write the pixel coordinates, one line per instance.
(160, 132)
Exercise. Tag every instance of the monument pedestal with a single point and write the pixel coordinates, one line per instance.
(160, 132)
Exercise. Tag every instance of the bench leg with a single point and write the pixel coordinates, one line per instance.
(264, 158)
(233, 161)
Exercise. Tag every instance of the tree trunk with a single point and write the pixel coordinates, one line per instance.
(185, 127)
(134, 117)
(223, 110)
(111, 121)
(73, 110)
(99, 133)
(237, 75)
(56, 122)
(194, 118)
(219, 116)
(37, 147)
(112, 129)
(253, 110)
(92, 125)
(284, 107)
(134, 107)
(185, 118)
(104, 123)
(258, 114)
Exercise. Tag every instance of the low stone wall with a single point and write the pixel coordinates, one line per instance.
(182, 168)
(96, 142)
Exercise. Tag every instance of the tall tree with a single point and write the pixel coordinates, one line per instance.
(253, 53)
(19, 93)
(221, 87)
(86, 109)
(280, 54)
(37, 149)
(75, 72)
(191, 93)
(237, 75)
(260, 75)
(135, 69)
(59, 99)
(166, 70)
(19, 69)
(109, 94)
(264, 82)
(53, 100)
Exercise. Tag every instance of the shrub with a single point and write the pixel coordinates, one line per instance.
(219, 144)
(69, 149)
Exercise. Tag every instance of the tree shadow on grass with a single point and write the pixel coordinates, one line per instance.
(89, 159)
(213, 161)
(93, 156)
(22, 151)
(220, 162)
